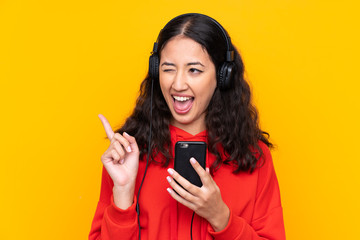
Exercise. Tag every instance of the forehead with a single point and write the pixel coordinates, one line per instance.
(183, 49)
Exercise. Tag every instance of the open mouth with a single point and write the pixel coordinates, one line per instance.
(182, 104)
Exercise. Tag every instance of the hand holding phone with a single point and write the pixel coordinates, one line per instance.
(205, 201)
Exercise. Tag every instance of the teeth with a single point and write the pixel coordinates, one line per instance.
(182, 99)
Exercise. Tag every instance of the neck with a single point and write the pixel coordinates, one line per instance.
(193, 129)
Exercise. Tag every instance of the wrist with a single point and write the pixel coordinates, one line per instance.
(221, 220)
(123, 196)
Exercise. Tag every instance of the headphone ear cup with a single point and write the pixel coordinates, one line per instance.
(225, 75)
(220, 77)
(154, 66)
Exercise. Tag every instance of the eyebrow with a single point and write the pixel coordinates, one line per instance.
(189, 64)
(195, 63)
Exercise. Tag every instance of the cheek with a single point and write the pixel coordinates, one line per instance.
(207, 93)
(208, 99)
(164, 87)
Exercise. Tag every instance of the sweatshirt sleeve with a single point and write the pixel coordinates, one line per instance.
(267, 222)
(111, 222)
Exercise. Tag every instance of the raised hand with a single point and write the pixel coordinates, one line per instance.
(121, 160)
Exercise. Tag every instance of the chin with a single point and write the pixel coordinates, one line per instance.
(181, 120)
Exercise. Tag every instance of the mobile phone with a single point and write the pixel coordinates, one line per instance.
(184, 150)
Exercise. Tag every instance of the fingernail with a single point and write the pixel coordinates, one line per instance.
(126, 134)
(129, 149)
(122, 161)
(168, 179)
(192, 160)
(170, 171)
(169, 190)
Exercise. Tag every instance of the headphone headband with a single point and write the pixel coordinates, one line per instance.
(225, 71)
(229, 53)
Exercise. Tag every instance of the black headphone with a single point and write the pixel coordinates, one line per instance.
(226, 70)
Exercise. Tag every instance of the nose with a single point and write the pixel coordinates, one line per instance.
(180, 81)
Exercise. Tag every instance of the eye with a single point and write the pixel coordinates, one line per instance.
(195, 70)
(168, 70)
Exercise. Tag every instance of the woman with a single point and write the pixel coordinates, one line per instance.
(199, 94)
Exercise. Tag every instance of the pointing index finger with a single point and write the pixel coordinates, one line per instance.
(107, 127)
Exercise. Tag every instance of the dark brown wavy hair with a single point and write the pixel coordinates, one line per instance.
(231, 119)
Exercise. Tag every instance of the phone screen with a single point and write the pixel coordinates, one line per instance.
(184, 150)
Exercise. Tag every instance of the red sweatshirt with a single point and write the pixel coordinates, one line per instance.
(253, 200)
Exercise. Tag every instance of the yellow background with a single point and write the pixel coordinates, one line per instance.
(64, 62)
